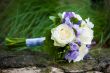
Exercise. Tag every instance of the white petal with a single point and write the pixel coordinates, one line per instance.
(83, 50)
(78, 17)
(89, 23)
(63, 14)
(86, 36)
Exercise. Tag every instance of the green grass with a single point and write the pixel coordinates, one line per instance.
(29, 18)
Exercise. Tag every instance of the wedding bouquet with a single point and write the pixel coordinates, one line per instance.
(73, 34)
(70, 37)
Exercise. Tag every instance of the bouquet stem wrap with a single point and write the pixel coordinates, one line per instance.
(35, 42)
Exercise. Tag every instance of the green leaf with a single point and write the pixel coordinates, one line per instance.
(52, 18)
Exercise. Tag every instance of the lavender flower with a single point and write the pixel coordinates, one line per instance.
(88, 46)
(68, 22)
(87, 56)
(66, 17)
(71, 55)
(73, 46)
(73, 52)
(68, 14)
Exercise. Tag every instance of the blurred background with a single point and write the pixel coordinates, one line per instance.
(30, 18)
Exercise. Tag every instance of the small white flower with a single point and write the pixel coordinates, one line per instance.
(62, 35)
(83, 50)
(89, 23)
(78, 17)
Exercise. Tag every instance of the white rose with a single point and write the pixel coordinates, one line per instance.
(83, 50)
(62, 35)
(86, 35)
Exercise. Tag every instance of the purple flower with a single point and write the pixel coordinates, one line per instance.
(79, 31)
(88, 46)
(73, 52)
(79, 22)
(74, 46)
(87, 56)
(71, 55)
(69, 14)
(67, 18)
(68, 22)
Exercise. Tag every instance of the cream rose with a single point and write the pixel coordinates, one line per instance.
(62, 35)
(86, 36)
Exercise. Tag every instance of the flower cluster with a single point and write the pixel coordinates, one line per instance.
(73, 31)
